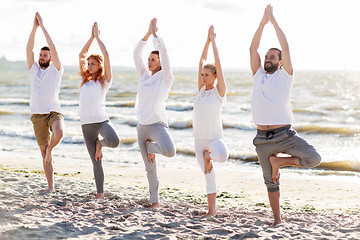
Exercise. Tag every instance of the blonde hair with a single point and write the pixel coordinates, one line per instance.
(211, 67)
(99, 76)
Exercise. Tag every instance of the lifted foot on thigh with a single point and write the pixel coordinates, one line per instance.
(151, 156)
(275, 165)
(98, 153)
(208, 162)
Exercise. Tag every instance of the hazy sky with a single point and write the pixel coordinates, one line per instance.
(322, 34)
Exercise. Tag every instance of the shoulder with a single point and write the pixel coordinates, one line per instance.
(34, 67)
(284, 74)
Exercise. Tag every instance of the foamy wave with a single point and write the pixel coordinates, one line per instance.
(179, 106)
(14, 101)
(328, 130)
(180, 124)
(341, 166)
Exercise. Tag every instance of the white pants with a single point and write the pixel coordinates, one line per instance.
(218, 153)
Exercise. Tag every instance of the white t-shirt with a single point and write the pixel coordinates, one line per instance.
(45, 89)
(152, 90)
(270, 102)
(207, 122)
(92, 102)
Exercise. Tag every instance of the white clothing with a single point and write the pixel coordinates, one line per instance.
(207, 122)
(218, 153)
(152, 90)
(92, 102)
(270, 102)
(45, 89)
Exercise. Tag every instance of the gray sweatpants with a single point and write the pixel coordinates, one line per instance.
(282, 140)
(110, 139)
(161, 143)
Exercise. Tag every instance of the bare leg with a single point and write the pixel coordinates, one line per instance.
(278, 162)
(98, 153)
(48, 170)
(274, 199)
(208, 163)
(57, 134)
(211, 197)
(151, 156)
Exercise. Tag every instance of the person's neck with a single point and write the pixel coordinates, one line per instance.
(209, 87)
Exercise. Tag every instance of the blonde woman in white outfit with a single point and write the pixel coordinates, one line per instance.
(207, 125)
(152, 92)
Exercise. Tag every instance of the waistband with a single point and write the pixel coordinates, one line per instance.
(273, 131)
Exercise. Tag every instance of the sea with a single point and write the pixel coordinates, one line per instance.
(326, 106)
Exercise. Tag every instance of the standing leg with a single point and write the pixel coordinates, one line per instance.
(201, 146)
(143, 134)
(48, 170)
(90, 133)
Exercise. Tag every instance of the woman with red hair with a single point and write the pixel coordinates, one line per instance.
(96, 81)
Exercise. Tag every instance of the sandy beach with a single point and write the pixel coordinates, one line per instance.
(313, 208)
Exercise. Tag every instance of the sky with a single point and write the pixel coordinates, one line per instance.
(322, 34)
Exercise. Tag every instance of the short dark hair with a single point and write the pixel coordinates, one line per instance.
(45, 48)
(156, 52)
(278, 51)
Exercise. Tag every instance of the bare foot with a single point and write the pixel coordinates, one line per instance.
(211, 213)
(155, 205)
(208, 162)
(275, 169)
(48, 157)
(48, 190)
(151, 156)
(100, 196)
(275, 223)
(98, 153)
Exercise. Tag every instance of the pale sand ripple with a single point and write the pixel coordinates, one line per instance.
(73, 213)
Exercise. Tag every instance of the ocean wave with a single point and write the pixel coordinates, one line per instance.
(341, 166)
(180, 124)
(179, 106)
(328, 129)
(14, 101)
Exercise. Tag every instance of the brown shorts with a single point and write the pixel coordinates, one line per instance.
(42, 125)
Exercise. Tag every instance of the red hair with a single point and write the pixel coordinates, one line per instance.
(99, 75)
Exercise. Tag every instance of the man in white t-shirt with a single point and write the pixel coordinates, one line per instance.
(272, 114)
(45, 78)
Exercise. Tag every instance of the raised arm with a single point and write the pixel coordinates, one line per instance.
(255, 61)
(107, 65)
(53, 53)
(202, 60)
(164, 57)
(30, 45)
(84, 51)
(221, 85)
(139, 64)
(286, 60)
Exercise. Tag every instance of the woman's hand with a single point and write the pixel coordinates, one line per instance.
(95, 30)
(211, 34)
(153, 27)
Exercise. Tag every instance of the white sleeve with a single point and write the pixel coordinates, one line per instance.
(165, 61)
(139, 64)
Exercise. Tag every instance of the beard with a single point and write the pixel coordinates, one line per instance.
(272, 68)
(44, 64)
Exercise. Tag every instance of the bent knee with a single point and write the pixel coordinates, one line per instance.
(220, 156)
(170, 151)
(58, 134)
(311, 161)
(114, 143)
